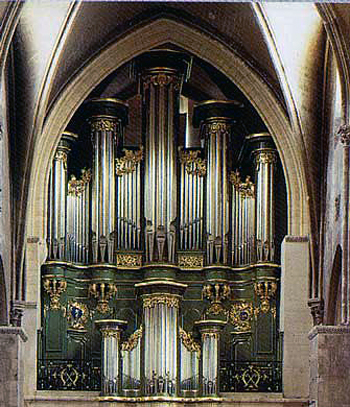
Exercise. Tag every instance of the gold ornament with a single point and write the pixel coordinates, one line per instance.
(133, 340)
(129, 260)
(54, 288)
(194, 165)
(77, 187)
(77, 315)
(193, 261)
(103, 292)
(189, 343)
(266, 290)
(170, 300)
(99, 124)
(160, 79)
(128, 163)
(240, 315)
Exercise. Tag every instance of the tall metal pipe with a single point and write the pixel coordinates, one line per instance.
(58, 198)
(107, 118)
(162, 73)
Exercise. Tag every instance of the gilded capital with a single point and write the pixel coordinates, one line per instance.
(110, 333)
(160, 79)
(170, 300)
(103, 124)
(343, 133)
(265, 157)
(217, 128)
(61, 155)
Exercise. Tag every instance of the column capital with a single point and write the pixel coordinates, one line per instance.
(218, 115)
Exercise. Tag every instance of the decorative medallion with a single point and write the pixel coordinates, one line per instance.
(77, 315)
(240, 315)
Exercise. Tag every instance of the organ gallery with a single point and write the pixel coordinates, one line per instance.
(166, 213)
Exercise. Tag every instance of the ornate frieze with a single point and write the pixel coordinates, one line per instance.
(194, 165)
(54, 288)
(265, 157)
(127, 164)
(110, 333)
(161, 80)
(217, 128)
(170, 300)
(78, 186)
(133, 340)
(190, 261)
(129, 260)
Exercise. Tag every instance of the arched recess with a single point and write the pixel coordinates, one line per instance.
(205, 47)
(3, 298)
(333, 295)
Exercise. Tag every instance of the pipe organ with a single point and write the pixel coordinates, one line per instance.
(158, 252)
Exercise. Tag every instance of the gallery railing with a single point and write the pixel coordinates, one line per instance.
(69, 375)
(250, 376)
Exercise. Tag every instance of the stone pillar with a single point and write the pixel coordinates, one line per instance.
(161, 74)
(58, 198)
(295, 318)
(111, 370)
(216, 119)
(265, 156)
(329, 366)
(344, 136)
(210, 332)
(161, 301)
(11, 371)
(107, 118)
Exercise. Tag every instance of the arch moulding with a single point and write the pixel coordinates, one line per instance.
(214, 52)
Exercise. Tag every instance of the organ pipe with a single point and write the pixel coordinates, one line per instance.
(162, 75)
(58, 198)
(216, 119)
(107, 117)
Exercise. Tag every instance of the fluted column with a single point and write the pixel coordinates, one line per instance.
(265, 156)
(161, 75)
(216, 119)
(111, 330)
(107, 118)
(58, 198)
(161, 301)
(210, 333)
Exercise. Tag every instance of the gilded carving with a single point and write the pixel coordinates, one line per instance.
(265, 291)
(265, 157)
(128, 163)
(189, 343)
(343, 134)
(54, 288)
(103, 292)
(208, 335)
(77, 315)
(192, 261)
(216, 293)
(129, 260)
(170, 300)
(160, 79)
(78, 186)
(240, 315)
(217, 128)
(61, 155)
(103, 124)
(235, 178)
(194, 165)
(110, 333)
(247, 188)
(133, 340)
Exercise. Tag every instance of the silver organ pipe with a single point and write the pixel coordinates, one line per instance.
(131, 356)
(162, 79)
(192, 170)
(128, 171)
(190, 354)
(58, 199)
(78, 217)
(265, 156)
(107, 118)
(216, 118)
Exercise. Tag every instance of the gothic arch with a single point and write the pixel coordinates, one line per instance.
(154, 34)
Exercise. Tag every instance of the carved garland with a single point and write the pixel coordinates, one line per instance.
(128, 163)
(171, 301)
(77, 186)
(189, 343)
(132, 341)
(104, 125)
(194, 165)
